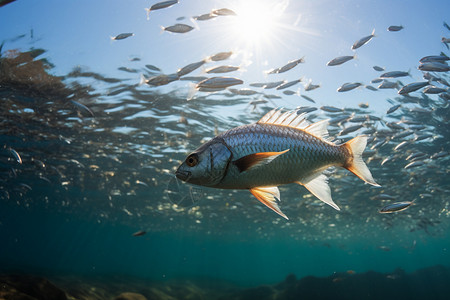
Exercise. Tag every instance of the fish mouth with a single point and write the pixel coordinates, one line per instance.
(183, 175)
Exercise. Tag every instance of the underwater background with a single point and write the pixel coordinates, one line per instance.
(93, 127)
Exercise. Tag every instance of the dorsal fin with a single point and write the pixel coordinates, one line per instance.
(294, 120)
(267, 118)
(289, 118)
(318, 129)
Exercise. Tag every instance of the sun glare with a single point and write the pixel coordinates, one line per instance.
(256, 21)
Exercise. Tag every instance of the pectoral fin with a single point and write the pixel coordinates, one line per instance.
(318, 186)
(256, 159)
(268, 196)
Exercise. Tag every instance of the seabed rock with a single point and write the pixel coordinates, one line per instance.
(25, 287)
(130, 296)
(428, 283)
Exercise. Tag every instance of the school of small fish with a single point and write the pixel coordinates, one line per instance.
(211, 165)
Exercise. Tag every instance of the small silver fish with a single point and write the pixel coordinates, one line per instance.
(446, 26)
(434, 90)
(308, 98)
(288, 84)
(363, 40)
(388, 85)
(16, 155)
(376, 80)
(384, 197)
(209, 90)
(337, 120)
(432, 58)
(434, 66)
(430, 77)
(289, 92)
(220, 56)
(288, 66)
(387, 249)
(331, 109)
(306, 109)
(414, 164)
(358, 119)
(417, 127)
(395, 74)
(422, 137)
(403, 134)
(439, 155)
(193, 78)
(223, 12)
(271, 85)
(82, 107)
(257, 84)
(160, 5)
(369, 87)
(178, 28)
(394, 207)
(281, 148)
(393, 108)
(159, 80)
(121, 36)
(268, 96)
(340, 60)
(445, 96)
(350, 129)
(415, 155)
(377, 68)
(153, 68)
(205, 17)
(190, 68)
(387, 159)
(412, 87)
(128, 70)
(310, 86)
(348, 86)
(394, 126)
(402, 145)
(222, 69)
(25, 186)
(421, 110)
(395, 28)
(243, 92)
(219, 82)
(139, 233)
(419, 158)
(369, 131)
(445, 41)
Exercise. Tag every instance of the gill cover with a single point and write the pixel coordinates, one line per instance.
(207, 165)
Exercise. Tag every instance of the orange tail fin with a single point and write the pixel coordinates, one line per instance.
(356, 164)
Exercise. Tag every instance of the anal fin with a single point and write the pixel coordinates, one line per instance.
(256, 159)
(268, 196)
(318, 186)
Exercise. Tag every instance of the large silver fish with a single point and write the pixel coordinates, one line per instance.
(280, 148)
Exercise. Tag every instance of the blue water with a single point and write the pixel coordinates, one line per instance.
(67, 243)
(98, 152)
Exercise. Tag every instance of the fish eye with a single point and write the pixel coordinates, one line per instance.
(192, 160)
